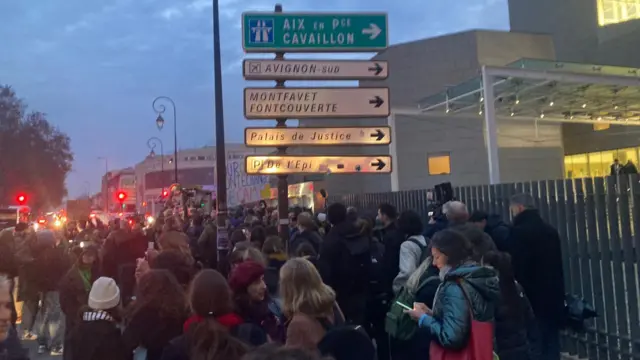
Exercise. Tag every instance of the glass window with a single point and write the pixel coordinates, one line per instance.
(439, 164)
(627, 154)
(616, 11)
(601, 126)
(200, 158)
(595, 164)
(580, 166)
(568, 167)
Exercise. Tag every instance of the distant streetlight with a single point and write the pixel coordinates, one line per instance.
(106, 188)
(151, 144)
(160, 109)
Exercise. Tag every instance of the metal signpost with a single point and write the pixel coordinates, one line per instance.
(310, 136)
(315, 70)
(312, 164)
(305, 103)
(279, 32)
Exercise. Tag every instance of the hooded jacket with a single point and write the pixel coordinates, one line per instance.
(450, 323)
(410, 256)
(499, 232)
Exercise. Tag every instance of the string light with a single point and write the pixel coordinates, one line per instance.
(584, 105)
(551, 103)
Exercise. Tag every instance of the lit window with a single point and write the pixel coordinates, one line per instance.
(600, 127)
(439, 164)
(617, 11)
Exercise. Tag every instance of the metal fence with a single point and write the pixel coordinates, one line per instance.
(597, 222)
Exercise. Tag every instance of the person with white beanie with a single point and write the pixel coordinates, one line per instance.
(98, 335)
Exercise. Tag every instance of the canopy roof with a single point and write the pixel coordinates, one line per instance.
(550, 90)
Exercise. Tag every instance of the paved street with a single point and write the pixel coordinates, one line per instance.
(33, 352)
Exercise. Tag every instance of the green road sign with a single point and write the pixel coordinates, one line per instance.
(314, 32)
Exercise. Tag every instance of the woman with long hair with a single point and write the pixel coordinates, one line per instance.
(157, 314)
(215, 331)
(514, 317)
(252, 300)
(467, 287)
(307, 302)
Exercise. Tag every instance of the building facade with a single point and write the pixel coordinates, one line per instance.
(197, 167)
(602, 32)
(430, 150)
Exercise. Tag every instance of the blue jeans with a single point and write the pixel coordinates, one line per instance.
(51, 328)
(548, 340)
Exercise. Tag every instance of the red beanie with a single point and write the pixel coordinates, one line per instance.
(244, 274)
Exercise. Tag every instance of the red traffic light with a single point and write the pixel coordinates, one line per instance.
(21, 199)
(122, 195)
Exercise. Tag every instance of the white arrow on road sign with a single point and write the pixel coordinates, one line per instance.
(373, 31)
(305, 103)
(312, 136)
(312, 164)
(315, 70)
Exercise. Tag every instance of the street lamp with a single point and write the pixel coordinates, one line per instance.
(106, 188)
(151, 144)
(160, 109)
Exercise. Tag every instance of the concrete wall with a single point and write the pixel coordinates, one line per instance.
(573, 24)
(525, 152)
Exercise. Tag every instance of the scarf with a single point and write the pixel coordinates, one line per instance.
(96, 315)
(229, 320)
(85, 275)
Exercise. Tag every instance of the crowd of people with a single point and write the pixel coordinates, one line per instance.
(343, 285)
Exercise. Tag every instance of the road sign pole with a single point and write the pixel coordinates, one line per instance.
(283, 183)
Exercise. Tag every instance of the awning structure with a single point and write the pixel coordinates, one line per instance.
(541, 90)
(548, 90)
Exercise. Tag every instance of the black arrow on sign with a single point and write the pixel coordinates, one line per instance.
(377, 101)
(376, 69)
(379, 135)
(379, 164)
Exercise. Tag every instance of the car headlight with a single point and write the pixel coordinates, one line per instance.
(57, 223)
(35, 226)
(150, 220)
(82, 244)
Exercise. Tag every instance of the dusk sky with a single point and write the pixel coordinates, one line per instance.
(94, 67)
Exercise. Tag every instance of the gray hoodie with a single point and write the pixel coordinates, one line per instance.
(410, 255)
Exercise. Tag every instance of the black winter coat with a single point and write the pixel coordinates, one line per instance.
(537, 261)
(337, 267)
(11, 349)
(97, 340)
(392, 239)
(513, 335)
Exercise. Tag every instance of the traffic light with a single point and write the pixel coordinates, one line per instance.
(21, 199)
(122, 196)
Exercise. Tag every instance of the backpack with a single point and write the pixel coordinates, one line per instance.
(398, 324)
(341, 340)
(424, 254)
(377, 270)
(359, 253)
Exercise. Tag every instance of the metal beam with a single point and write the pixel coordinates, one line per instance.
(560, 76)
(479, 89)
(491, 128)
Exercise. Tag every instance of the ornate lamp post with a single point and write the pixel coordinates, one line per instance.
(160, 109)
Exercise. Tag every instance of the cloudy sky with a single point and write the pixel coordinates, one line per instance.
(95, 66)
